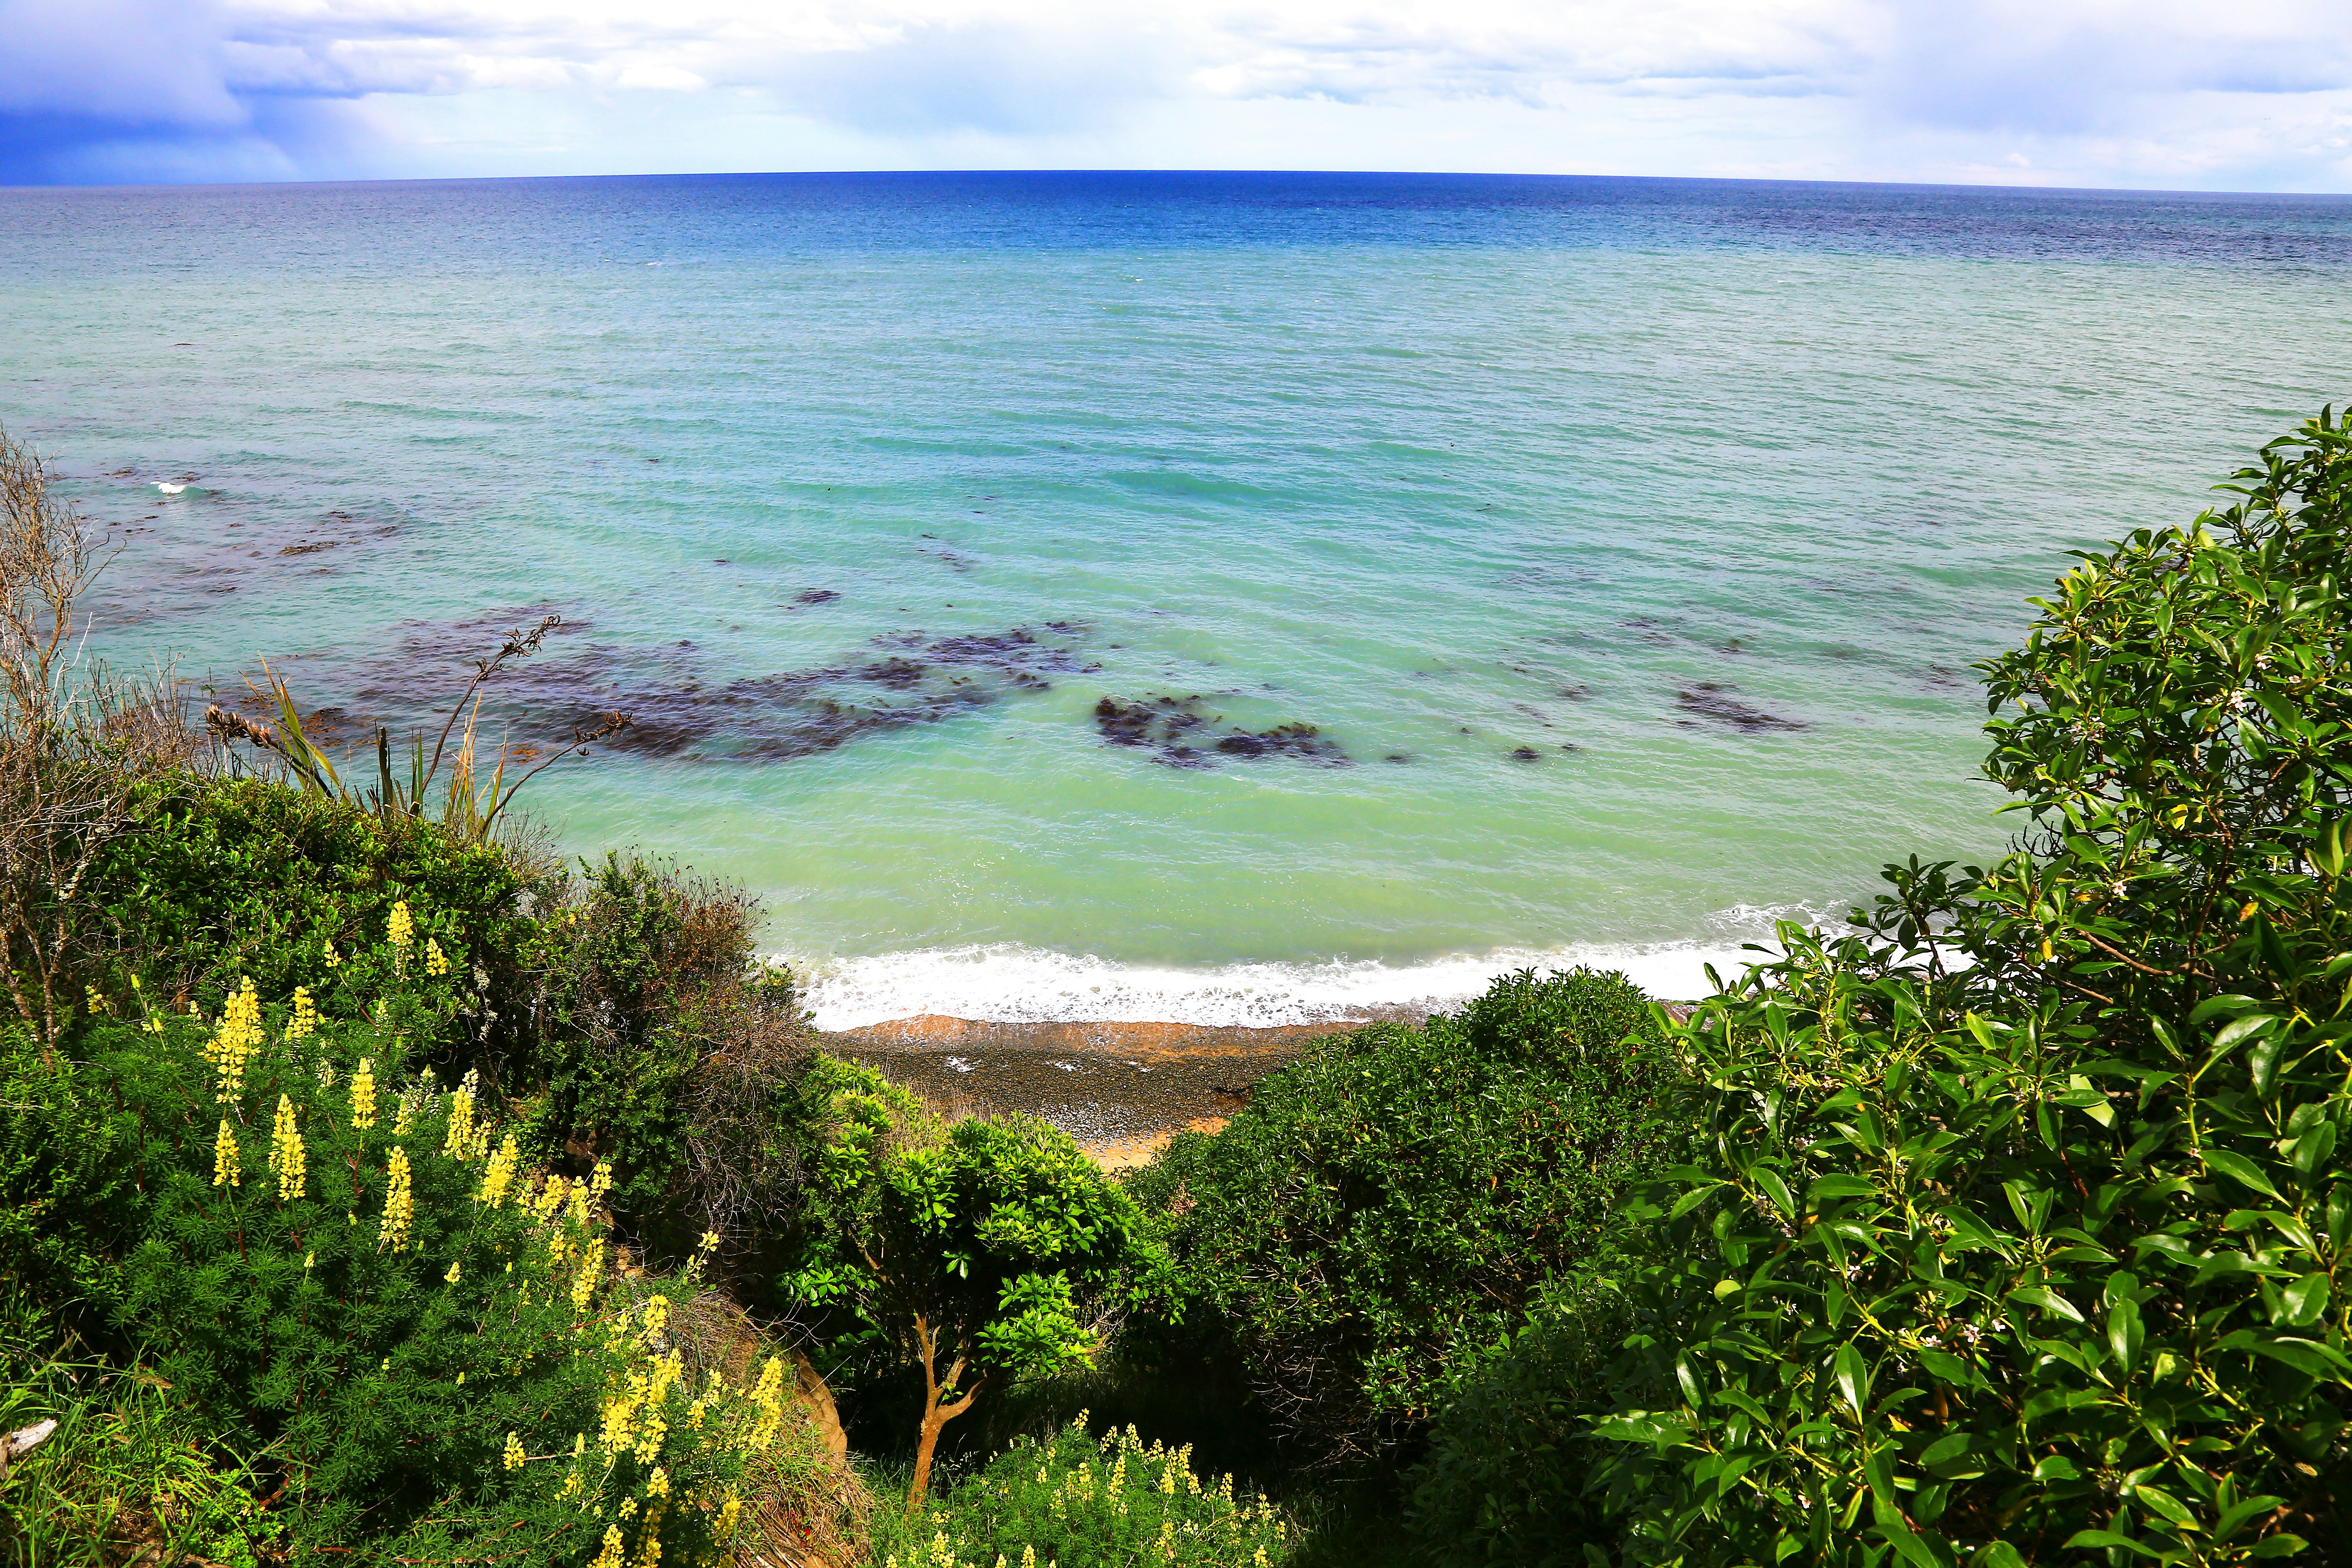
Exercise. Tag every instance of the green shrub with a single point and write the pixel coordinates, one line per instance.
(1075, 1501)
(664, 1045)
(622, 1012)
(1389, 1211)
(979, 1255)
(1503, 1482)
(224, 880)
(2040, 1256)
(432, 1346)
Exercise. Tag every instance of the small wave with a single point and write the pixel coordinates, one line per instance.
(1010, 984)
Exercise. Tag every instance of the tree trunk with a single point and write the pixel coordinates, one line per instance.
(934, 1415)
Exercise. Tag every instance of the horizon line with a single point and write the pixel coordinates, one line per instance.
(196, 185)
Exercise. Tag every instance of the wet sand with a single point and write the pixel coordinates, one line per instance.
(1120, 1090)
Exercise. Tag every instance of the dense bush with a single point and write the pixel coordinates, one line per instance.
(340, 1263)
(979, 1255)
(1389, 1211)
(662, 1044)
(217, 880)
(1501, 1483)
(1078, 1501)
(2016, 1228)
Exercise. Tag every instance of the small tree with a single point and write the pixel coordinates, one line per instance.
(984, 1254)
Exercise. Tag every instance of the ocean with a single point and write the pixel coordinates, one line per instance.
(1232, 598)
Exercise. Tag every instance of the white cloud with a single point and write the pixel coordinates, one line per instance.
(2100, 91)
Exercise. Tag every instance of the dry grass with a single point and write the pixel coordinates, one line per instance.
(76, 739)
(804, 1506)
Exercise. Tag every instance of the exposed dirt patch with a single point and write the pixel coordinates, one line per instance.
(1120, 1090)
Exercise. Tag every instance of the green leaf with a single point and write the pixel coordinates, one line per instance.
(1776, 1189)
(2165, 1503)
(1878, 1466)
(2306, 1300)
(2237, 1029)
(2306, 1356)
(2241, 1169)
(2235, 1515)
(1853, 1379)
(2313, 1149)
(1836, 1187)
(2123, 1332)
(2279, 1545)
(2047, 1300)
(1687, 1376)
(2087, 1540)
(1907, 1545)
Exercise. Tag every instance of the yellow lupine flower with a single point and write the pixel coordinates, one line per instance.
(657, 1319)
(363, 1095)
(286, 1151)
(579, 1202)
(404, 930)
(460, 1139)
(334, 959)
(657, 1484)
(435, 961)
(600, 1181)
(620, 1424)
(768, 1394)
(729, 1512)
(227, 1172)
(514, 1454)
(233, 1046)
(592, 1266)
(613, 1548)
(501, 1175)
(451, 1277)
(650, 1433)
(305, 1021)
(399, 1205)
(649, 1549)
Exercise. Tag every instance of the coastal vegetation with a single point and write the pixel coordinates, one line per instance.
(376, 1187)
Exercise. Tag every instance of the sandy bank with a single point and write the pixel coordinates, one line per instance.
(1120, 1088)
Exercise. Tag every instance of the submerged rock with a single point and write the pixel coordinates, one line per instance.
(1713, 699)
(1178, 734)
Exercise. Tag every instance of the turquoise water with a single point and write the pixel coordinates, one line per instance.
(1649, 526)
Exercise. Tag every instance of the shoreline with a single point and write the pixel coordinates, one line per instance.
(1121, 1088)
(1015, 986)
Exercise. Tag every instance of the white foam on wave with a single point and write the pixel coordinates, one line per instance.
(1011, 983)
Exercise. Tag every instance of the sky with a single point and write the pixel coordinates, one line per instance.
(2250, 95)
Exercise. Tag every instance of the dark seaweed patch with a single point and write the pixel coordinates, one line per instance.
(1712, 700)
(1524, 753)
(816, 596)
(678, 707)
(1178, 734)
